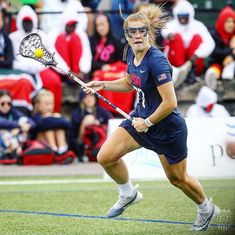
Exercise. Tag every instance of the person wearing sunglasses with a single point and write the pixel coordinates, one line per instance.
(156, 122)
(14, 125)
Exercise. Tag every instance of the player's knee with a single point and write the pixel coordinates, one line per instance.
(177, 181)
(103, 158)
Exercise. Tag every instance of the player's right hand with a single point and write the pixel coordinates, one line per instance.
(93, 85)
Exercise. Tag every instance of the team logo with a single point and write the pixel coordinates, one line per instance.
(136, 80)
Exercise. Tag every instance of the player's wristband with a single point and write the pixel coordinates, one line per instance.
(148, 122)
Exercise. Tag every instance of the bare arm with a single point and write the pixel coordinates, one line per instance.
(167, 105)
(122, 84)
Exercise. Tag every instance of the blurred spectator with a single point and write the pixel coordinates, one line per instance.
(90, 117)
(21, 86)
(90, 23)
(14, 126)
(206, 105)
(50, 127)
(116, 20)
(56, 7)
(90, 3)
(8, 19)
(27, 22)
(222, 62)
(72, 45)
(187, 44)
(6, 50)
(105, 47)
(107, 62)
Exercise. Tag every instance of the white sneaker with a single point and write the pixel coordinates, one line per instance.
(119, 207)
(204, 220)
(228, 71)
(181, 73)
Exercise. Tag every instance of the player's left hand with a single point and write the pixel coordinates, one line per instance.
(139, 124)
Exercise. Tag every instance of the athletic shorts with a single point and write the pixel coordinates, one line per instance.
(175, 150)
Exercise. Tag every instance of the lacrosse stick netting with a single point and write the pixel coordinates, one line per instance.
(33, 41)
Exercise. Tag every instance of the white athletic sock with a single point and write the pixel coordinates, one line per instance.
(126, 189)
(54, 148)
(62, 149)
(205, 206)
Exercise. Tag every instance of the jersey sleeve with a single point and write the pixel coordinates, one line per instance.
(160, 70)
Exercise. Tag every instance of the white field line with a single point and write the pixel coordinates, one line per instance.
(74, 181)
(68, 181)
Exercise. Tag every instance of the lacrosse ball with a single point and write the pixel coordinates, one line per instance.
(38, 53)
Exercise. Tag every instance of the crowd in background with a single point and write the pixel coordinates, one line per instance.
(90, 44)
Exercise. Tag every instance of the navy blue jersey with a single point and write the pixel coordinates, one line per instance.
(155, 71)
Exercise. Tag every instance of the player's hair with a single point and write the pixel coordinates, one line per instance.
(155, 20)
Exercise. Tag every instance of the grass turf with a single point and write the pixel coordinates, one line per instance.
(80, 208)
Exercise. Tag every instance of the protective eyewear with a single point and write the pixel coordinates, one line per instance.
(131, 32)
(5, 103)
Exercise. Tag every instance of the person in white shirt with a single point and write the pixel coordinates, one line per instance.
(187, 43)
(27, 22)
(206, 105)
(71, 42)
(59, 6)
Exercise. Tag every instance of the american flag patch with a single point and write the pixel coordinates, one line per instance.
(161, 77)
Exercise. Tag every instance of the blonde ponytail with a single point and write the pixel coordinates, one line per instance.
(158, 19)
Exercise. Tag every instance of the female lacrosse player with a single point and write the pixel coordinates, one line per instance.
(156, 124)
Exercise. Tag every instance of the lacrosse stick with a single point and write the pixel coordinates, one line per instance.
(32, 47)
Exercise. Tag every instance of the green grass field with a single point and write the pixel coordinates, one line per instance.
(58, 207)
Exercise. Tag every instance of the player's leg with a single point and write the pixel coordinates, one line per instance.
(177, 175)
(109, 156)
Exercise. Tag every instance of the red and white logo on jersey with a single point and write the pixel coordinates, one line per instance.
(161, 77)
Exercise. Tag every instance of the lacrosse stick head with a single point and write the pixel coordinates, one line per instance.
(33, 43)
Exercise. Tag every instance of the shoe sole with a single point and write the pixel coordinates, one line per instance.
(216, 211)
(137, 198)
